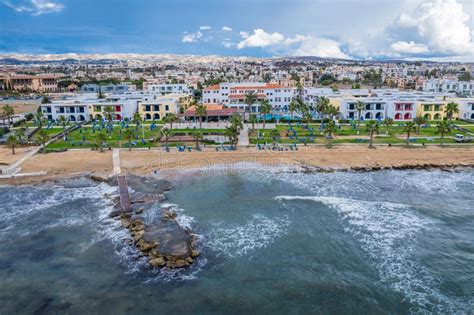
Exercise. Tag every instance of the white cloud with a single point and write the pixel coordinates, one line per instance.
(192, 38)
(35, 7)
(260, 38)
(409, 47)
(226, 29)
(441, 26)
(205, 28)
(300, 45)
(227, 44)
(320, 47)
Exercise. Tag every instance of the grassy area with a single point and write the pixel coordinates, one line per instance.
(85, 137)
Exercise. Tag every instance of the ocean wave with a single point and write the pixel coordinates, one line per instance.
(388, 234)
(238, 240)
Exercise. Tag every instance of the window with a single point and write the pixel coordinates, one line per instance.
(147, 108)
(426, 108)
(437, 108)
(156, 108)
(97, 108)
(167, 108)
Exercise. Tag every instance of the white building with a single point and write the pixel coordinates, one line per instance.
(449, 86)
(232, 95)
(168, 88)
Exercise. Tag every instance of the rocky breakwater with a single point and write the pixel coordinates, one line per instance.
(161, 239)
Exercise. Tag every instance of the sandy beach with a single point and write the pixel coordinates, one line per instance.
(76, 162)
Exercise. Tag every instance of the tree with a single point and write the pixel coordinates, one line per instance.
(197, 135)
(137, 120)
(451, 109)
(62, 121)
(409, 127)
(39, 119)
(201, 112)
(9, 112)
(128, 135)
(165, 132)
(388, 122)
(232, 132)
(372, 128)
(359, 106)
(250, 99)
(330, 128)
(265, 109)
(275, 134)
(307, 118)
(45, 100)
(442, 128)
(42, 137)
(236, 120)
(170, 118)
(419, 120)
(253, 120)
(12, 142)
(292, 108)
(331, 111)
(100, 139)
(109, 113)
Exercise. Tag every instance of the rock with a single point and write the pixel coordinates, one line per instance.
(157, 262)
(139, 210)
(189, 260)
(195, 253)
(126, 222)
(115, 213)
(179, 263)
(101, 178)
(138, 235)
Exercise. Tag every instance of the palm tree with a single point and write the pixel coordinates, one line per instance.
(388, 122)
(171, 118)
(20, 134)
(165, 132)
(331, 111)
(9, 112)
(307, 118)
(275, 134)
(265, 109)
(330, 128)
(321, 106)
(100, 139)
(291, 107)
(12, 142)
(137, 120)
(128, 135)
(359, 106)
(232, 132)
(109, 113)
(409, 127)
(39, 119)
(442, 128)
(62, 121)
(419, 120)
(197, 135)
(236, 120)
(250, 99)
(451, 109)
(201, 112)
(253, 120)
(372, 128)
(42, 137)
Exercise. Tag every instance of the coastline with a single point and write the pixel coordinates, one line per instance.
(307, 159)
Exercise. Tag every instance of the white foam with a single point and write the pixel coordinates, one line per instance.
(388, 234)
(237, 240)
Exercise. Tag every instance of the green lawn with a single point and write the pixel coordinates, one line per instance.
(85, 137)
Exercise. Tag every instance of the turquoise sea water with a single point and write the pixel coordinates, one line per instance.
(389, 242)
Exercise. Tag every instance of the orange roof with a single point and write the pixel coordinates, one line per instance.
(213, 87)
(208, 107)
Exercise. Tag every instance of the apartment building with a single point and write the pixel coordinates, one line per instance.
(232, 95)
(158, 107)
(108, 88)
(168, 88)
(449, 86)
(33, 83)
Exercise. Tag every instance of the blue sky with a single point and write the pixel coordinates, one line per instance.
(412, 29)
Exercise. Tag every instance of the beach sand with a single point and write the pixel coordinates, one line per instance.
(145, 162)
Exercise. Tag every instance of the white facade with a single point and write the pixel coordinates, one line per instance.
(466, 110)
(233, 95)
(168, 88)
(449, 86)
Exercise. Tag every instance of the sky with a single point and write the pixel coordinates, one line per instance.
(352, 29)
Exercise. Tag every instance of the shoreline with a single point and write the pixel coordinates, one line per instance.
(74, 163)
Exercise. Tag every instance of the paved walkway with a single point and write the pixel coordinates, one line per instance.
(244, 137)
(116, 161)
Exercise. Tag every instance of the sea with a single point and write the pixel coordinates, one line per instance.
(272, 241)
